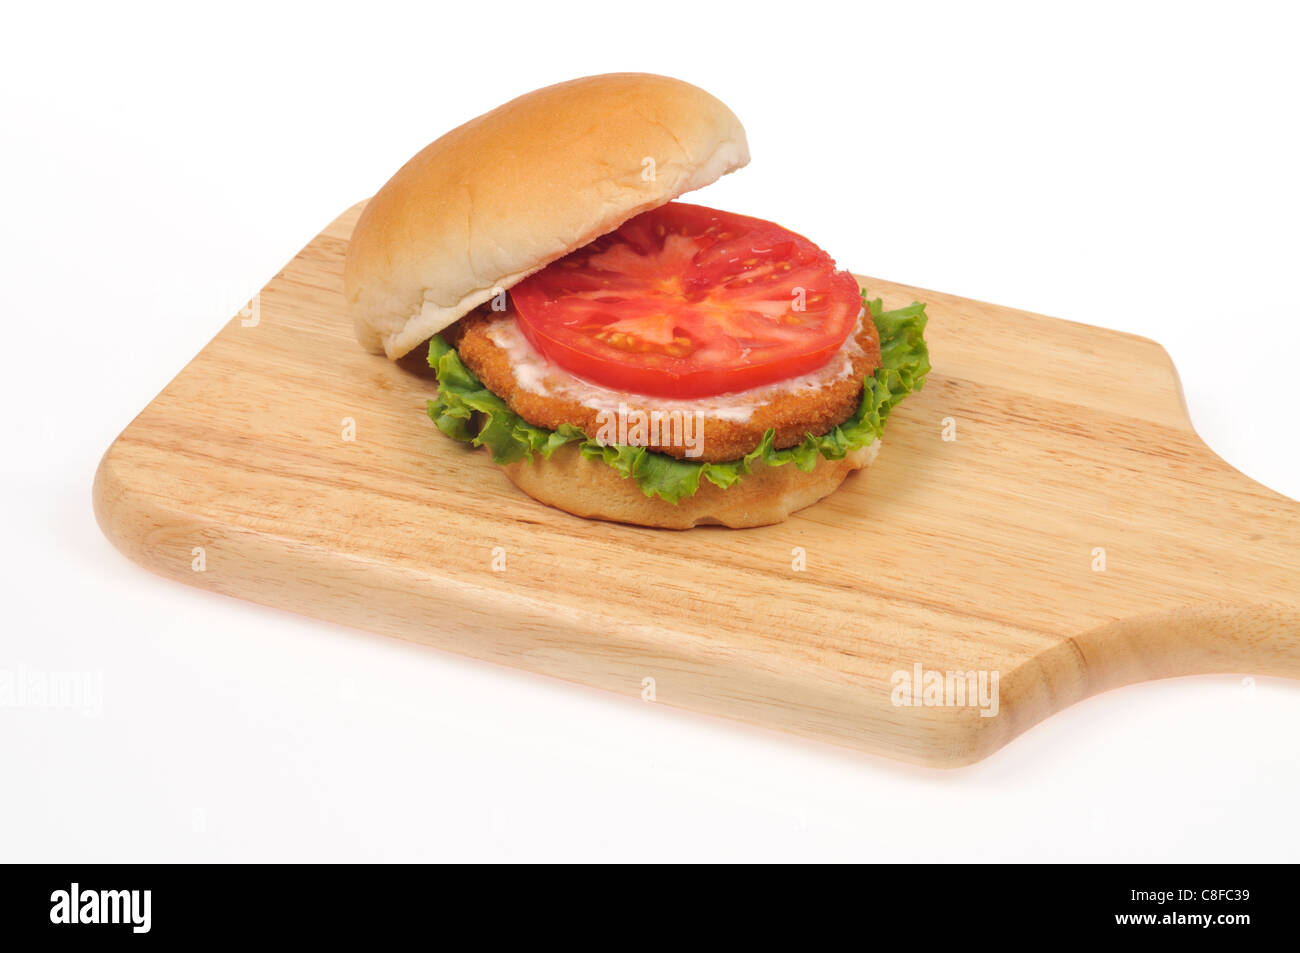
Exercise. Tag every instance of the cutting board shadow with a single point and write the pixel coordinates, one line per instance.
(1042, 524)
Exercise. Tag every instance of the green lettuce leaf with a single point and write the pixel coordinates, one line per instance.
(465, 410)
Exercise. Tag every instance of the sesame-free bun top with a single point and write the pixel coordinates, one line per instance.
(506, 194)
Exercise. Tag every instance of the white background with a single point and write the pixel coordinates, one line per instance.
(1131, 166)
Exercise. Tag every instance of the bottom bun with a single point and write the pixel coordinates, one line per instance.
(595, 490)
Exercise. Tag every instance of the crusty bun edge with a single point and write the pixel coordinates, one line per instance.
(504, 195)
(595, 490)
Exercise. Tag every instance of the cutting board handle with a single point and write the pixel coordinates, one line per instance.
(1200, 640)
(1244, 625)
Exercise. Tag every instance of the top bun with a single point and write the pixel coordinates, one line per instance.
(506, 194)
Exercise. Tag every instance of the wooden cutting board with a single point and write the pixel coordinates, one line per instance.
(1071, 535)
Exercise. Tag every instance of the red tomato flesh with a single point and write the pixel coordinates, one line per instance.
(686, 301)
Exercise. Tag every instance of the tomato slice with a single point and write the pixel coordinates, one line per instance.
(687, 301)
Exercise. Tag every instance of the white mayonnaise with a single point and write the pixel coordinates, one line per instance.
(538, 376)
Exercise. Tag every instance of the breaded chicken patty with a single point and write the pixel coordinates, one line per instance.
(732, 425)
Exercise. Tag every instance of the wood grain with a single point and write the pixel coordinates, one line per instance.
(974, 554)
